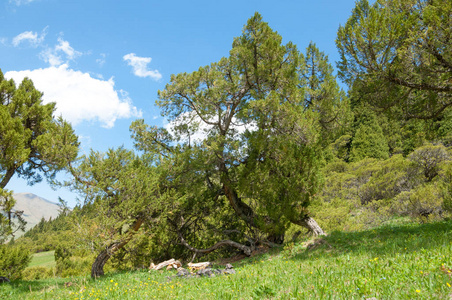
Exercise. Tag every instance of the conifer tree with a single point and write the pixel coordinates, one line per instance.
(398, 53)
(368, 140)
(33, 143)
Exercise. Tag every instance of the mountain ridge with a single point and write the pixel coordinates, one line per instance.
(35, 208)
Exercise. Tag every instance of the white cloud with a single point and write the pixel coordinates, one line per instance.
(140, 66)
(67, 49)
(200, 130)
(33, 38)
(3, 41)
(54, 56)
(78, 96)
(49, 56)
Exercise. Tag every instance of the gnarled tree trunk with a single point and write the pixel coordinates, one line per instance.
(245, 212)
(310, 224)
(97, 268)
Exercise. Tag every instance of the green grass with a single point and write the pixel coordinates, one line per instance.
(43, 259)
(392, 262)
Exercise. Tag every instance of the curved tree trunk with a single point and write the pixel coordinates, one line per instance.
(9, 174)
(97, 268)
(243, 210)
(310, 224)
(246, 213)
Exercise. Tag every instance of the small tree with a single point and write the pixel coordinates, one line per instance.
(121, 194)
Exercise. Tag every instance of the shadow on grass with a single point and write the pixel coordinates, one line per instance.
(73, 283)
(385, 240)
(27, 286)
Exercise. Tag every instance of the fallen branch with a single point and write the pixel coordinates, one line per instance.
(170, 264)
(198, 266)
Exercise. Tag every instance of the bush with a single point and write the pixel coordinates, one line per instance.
(13, 260)
(446, 186)
(73, 266)
(390, 178)
(426, 203)
(35, 273)
(428, 159)
(333, 215)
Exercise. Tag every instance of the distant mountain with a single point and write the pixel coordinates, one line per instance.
(35, 208)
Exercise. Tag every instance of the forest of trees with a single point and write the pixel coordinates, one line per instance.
(284, 148)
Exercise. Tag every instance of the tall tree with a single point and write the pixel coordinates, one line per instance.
(259, 145)
(33, 143)
(368, 140)
(398, 54)
(323, 94)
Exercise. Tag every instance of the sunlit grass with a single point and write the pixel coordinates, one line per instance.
(43, 259)
(393, 262)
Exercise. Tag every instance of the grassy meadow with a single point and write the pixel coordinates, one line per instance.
(43, 259)
(409, 261)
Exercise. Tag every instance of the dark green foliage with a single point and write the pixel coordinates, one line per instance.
(323, 95)
(62, 253)
(368, 140)
(33, 144)
(49, 234)
(73, 266)
(280, 142)
(262, 139)
(397, 54)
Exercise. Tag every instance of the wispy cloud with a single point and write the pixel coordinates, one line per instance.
(140, 66)
(33, 38)
(101, 61)
(61, 53)
(21, 2)
(80, 97)
(64, 47)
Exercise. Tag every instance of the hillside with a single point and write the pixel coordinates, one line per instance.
(35, 208)
(390, 262)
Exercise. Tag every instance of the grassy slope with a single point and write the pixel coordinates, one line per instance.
(397, 262)
(43, 259)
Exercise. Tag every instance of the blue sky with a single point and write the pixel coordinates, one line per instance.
(103, 62)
